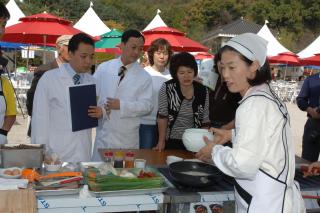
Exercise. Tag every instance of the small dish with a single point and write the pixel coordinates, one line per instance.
(193, 160)
(172, 159)
(11, 173)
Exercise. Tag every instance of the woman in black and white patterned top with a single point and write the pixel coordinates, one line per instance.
(183, 103)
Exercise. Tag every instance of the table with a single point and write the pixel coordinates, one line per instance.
(171, 201)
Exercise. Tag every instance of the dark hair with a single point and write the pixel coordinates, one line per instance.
(263, 75)
(182, 59)
(131, 33)
(77, 39)
(157, 44)
(4, 13)
(301, 77)
(217, 58)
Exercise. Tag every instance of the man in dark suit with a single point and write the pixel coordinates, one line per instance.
(63, 57)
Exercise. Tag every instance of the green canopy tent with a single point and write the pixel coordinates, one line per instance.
(109, 42)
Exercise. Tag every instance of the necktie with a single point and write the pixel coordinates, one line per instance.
(121, 73)
(76, 79)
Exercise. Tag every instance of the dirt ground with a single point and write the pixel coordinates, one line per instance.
(18, 133)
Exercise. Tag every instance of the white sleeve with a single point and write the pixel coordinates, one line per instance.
(249, 142)
(97, 77)
(143, 104)
(40, 113)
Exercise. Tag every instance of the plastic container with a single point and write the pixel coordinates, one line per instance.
(118, 159)
(53, 167)
(140, 163)
(108, 157)
(129, 160)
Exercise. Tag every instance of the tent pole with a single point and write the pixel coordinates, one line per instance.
(28, 57)
(44, 58)
(15, 60)
(285, 72)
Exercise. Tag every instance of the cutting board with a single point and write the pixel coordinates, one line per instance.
(14, 201)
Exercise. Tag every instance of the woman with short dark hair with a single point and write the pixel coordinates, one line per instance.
(159, 54)
(262, 159)
(183, 103)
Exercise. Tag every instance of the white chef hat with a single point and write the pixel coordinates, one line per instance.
(251, 46)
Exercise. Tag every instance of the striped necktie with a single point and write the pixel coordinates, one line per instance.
(121, 73)
(76, 79)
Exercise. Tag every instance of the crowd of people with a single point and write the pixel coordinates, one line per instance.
(151, 107)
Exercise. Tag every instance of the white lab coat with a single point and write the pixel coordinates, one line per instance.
(121, 129)
(51, 117)
(262, 159)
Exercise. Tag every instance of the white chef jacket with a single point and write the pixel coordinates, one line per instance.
(158, 78)
(51, 116)
(121, 128)
(262, 159)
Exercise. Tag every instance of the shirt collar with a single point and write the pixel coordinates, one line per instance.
(252, 90)
(128, 66)
(71, 71)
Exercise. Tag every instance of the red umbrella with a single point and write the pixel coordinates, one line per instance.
(203, 55)
(288, 58)
(313, 60)
(177, 39)
(39, 29)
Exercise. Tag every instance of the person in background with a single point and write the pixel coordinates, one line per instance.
(126, 91)
(159, 54)
(223, 103)
(62, 43)
(183, 103)
(300, 81)
(51, 120)
(8, 110)
(262, 159)
(309, 100)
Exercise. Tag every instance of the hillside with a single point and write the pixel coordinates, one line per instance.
(297, 22)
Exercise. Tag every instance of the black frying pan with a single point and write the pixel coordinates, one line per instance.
(194, 174)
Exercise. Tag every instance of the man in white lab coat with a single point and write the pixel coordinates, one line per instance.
(126, 92)
(51, 122)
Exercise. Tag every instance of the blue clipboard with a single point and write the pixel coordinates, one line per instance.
(81, 97)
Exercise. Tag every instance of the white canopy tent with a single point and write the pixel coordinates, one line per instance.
(91, 24)
(15, 13)
(312, 49)
(156, 22)
(274, 47)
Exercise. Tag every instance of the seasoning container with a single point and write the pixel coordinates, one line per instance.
(129, 160)
(118, 159)
(108, 157)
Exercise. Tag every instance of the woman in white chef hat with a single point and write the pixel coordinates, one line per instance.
(262, 159)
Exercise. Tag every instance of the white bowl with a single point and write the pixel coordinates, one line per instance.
(11, 176)
(52, 167)
(172, 159)
(193, 139)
